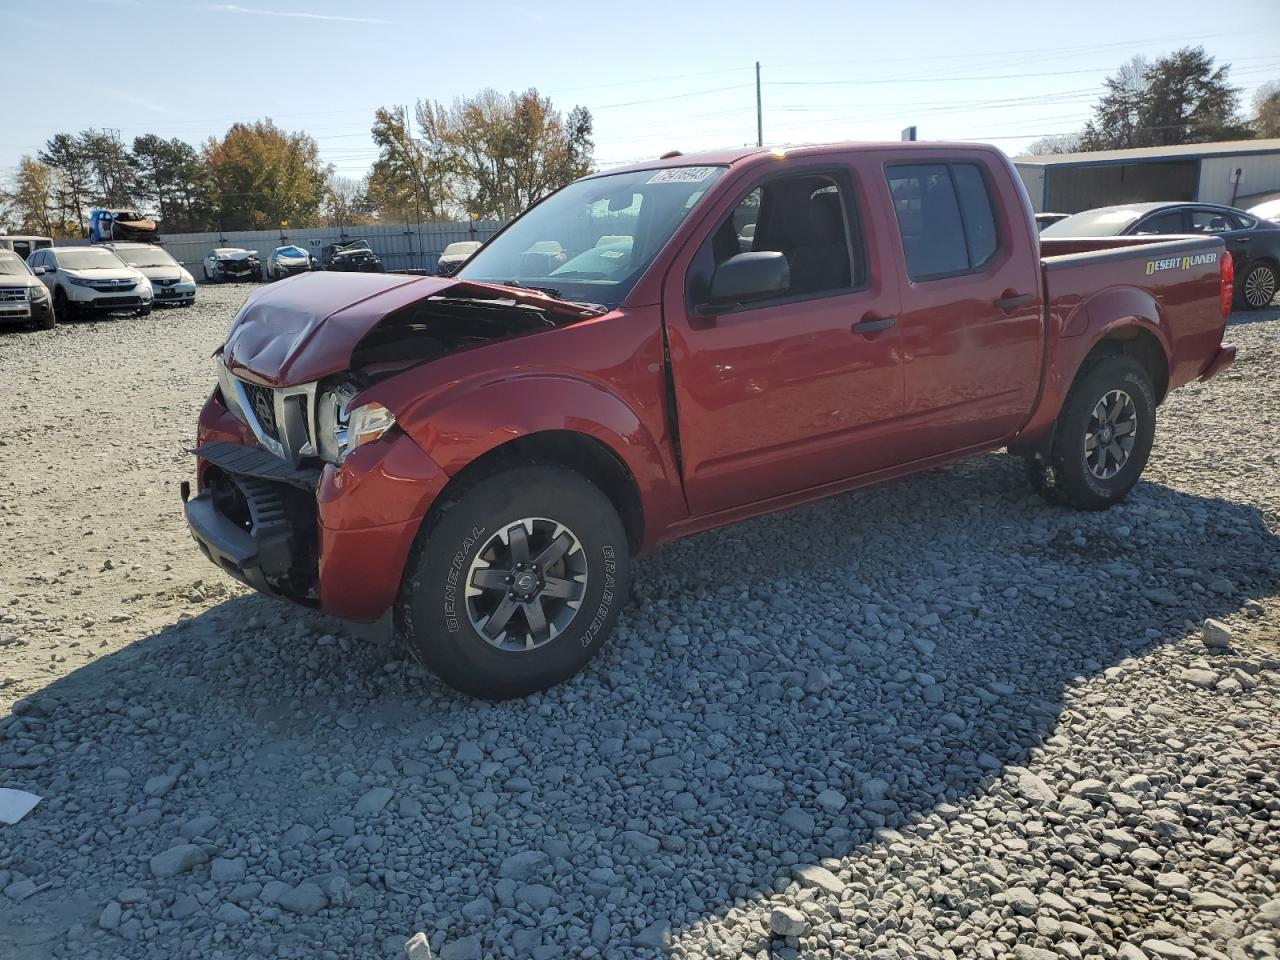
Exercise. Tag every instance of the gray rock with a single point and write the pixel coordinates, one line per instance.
(656, 936)
(109, 918)
(875, 790)
(466, 948)
(371, 804)
(524, 865)
(231, 915)
(224, 870)
(305, 899)
(831, 801)
(1215, 634)
(176, 860)
(801, 821)
(788, 922)
(536, 896)
(818, 877)
(158, 786)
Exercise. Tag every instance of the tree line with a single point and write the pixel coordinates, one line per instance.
(1176, 99)
(486, 157)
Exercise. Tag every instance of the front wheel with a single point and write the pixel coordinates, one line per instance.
(1102, 438)
(1258, 286)
(516, 584)
(62, 306)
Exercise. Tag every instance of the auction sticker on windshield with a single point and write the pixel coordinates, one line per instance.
(682, 175)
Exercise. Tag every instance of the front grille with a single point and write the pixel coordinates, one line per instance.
(112, 285)
(12, 294)
(164, 283)
(116, 301)
(262, 404)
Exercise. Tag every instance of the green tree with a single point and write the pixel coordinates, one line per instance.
(264, 175)
(1180, 98)
(113, 178)
(346, 201)
(1266, 110)
(64, 154)
(173, 176)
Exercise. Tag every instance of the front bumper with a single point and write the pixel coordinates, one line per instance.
(175, 293)
(24, 311)
(331, 537)
(238, 269)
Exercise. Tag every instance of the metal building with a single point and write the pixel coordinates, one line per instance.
(1231, 172)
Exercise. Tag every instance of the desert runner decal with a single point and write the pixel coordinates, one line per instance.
(1180, 263)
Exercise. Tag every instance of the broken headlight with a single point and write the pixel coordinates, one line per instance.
(342, 428)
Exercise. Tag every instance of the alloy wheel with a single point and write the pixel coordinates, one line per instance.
(1110, 436)
(526, 584)
(1259, 286)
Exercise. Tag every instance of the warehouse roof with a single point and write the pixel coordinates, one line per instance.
(1182, 151)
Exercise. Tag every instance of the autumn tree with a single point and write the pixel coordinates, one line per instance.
(1180, 98)
(1266, 110)
(412, 177)
(264, 175)
(346, 201)
(113, 178)
(490, 155)
(172, 176)
(32, 202)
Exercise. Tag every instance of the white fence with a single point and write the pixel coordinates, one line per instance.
(401, 246)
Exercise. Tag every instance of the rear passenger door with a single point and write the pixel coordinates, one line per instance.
(971, 319)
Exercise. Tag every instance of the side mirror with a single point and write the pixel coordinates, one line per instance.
(748, 276)
(50, 269)
(39, 271)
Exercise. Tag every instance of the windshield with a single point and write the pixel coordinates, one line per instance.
(591, 241)
(1105, 222)
(291, 252)
(11, 266)
(349, 247)
(88, 260)
(146, 257)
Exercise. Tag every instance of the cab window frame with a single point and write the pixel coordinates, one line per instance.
(993, 204)
(844, 178)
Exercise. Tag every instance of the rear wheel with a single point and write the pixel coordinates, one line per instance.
(516, 584)
(1102, 438)
(1258, 286)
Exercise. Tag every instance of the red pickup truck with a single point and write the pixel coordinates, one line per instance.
(665, 348)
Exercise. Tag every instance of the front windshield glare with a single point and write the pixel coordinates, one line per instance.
(149, 257)
(592, 241)
(1108, 222)
(11, 266)
(88, 260)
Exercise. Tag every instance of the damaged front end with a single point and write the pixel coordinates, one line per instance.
(278, 471)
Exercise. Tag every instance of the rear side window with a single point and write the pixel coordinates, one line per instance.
(1171, 222)
(945, 216)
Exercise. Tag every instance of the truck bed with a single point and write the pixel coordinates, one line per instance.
(1172, 283)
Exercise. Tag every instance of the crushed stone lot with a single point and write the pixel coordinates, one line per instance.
(937, 719)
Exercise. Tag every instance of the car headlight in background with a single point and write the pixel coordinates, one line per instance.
(38, 293)
(186, 277)
(343, 429)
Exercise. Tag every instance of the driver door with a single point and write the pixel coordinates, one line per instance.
(797, 390)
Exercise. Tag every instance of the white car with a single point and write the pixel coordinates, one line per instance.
(455, 255)
(1267, 211)
(170, 281)
(88, 279)
(232, 263)
(286, 261)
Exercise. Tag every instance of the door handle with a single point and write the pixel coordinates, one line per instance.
(1015, 301)
(874, 324)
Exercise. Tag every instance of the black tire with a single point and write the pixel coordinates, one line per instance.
(1072, 474)
(437, 620)
(144, 311)
(1259, 284)
(63, 308)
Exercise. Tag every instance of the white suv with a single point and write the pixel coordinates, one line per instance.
(84, 279)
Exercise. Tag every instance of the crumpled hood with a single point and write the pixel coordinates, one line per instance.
(236, 255)
(296, 332)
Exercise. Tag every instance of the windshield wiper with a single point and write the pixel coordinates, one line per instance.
(549, 291)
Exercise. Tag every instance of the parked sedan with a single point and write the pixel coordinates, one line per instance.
(1254, 244)
(286, 261)
(170, 281)
(232, 263)
(454, 256)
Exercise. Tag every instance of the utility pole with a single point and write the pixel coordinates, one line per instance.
(759, 110)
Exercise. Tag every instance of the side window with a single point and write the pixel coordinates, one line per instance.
(22, 248)
(1213, 221)
(1170, 222)
(36, 260)
(945, 216)
(803, 217)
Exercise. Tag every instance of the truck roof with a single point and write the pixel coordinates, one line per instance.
(732, 156)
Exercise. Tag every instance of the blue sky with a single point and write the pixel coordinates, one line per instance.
(655, 75)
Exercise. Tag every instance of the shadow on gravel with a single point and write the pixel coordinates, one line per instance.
(894, 649)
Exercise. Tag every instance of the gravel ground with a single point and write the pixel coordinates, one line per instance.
(936, 719)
